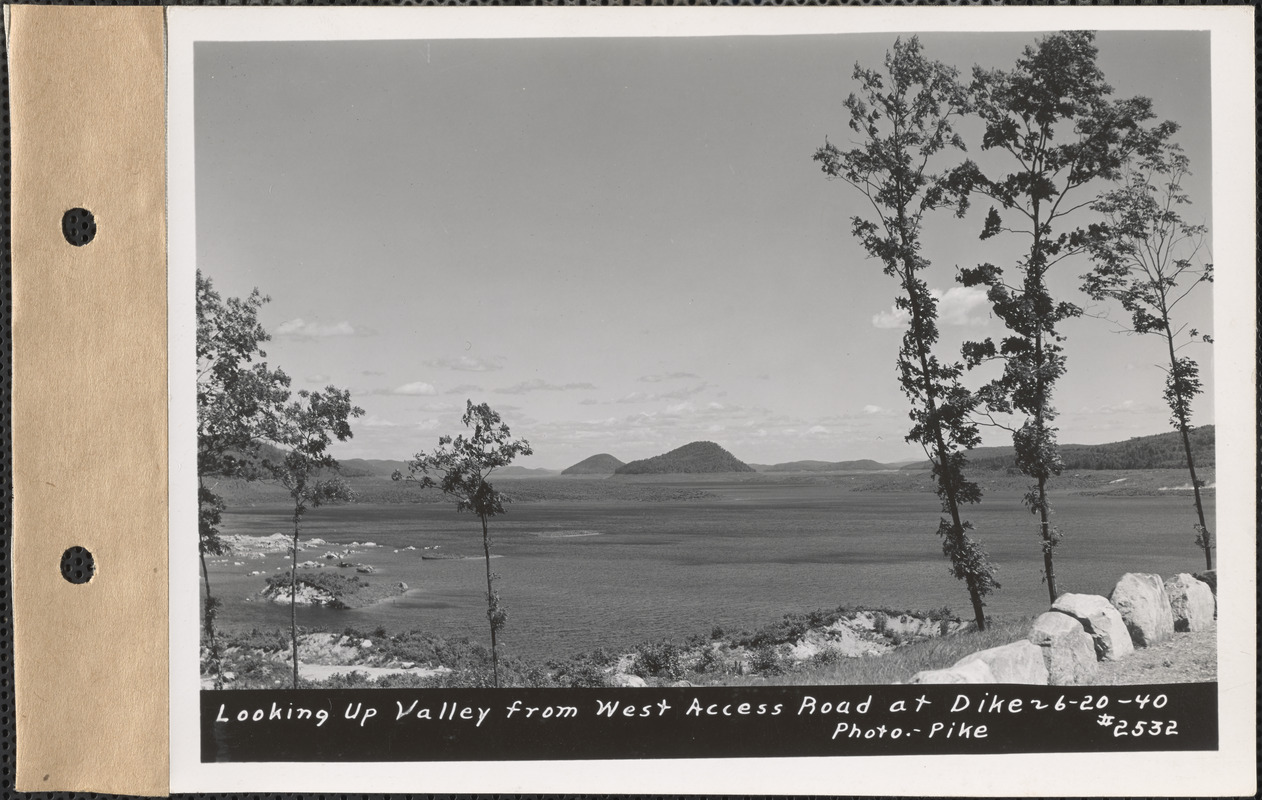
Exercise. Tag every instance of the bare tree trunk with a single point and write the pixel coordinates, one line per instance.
(1040, 426)
(1181, 417)
(293, 599)
(209, 617)
(1045, 526)
(216, 659)
(490, 604)
(947, 481)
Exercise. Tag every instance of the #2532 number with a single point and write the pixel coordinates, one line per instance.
(1146, 728)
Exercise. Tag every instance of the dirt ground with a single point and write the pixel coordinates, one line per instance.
(1183, 658)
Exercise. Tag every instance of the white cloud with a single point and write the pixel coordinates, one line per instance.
(959, 305)
(466, 363)
(538, 385)
(464, 388)
(871, 409)
(414, 389)
(299, 328)
(669, 376)
(887, 320)
(440, 405)
(817, 430)
(1123, 407)
(319, 378)
(652, 397)
(371, 421)
(963, 305)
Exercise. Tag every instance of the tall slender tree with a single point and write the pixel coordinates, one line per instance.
(304, 430)
(905, 117)
(237, 395)
(1052, 123)
(1149, 261)
(464, 465)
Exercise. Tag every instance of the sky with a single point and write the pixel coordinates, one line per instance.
(621, 245)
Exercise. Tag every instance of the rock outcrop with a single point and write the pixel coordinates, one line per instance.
(964, 672)
(1019, 662)
(1101, 621)
(1210, 578)
(1068, 651)
(1141, 599)
(631, 681)
(1191, 602)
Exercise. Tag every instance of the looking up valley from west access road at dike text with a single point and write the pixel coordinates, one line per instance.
(668, 304)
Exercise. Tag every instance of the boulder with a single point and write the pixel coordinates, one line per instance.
(1068, 650)
(1191, 602)
(971, 672)
(632, 681)
(1140, 598)
(1101, 621)
(1019, 662)
(1209, 577)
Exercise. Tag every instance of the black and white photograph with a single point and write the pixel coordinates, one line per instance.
(552, 380)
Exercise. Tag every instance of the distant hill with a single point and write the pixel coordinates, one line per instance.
(383, 467)
(370, 467)
(523, 472)
(863, 464)
(696, 457)
(602, 464)
(1159, 451)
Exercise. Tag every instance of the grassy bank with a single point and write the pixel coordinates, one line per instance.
(844, 645)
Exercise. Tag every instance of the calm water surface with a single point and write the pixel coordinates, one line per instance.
(738, 559)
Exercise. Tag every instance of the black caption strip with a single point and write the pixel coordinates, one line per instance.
(533, 724)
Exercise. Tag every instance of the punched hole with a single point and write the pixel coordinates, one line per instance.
(77, 565)
(78, 226)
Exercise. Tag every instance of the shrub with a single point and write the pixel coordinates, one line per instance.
(707, 661)
(767, 659)
(583, 671)
(880, 621)
(339, 587)
(826, 658)
(659, 659)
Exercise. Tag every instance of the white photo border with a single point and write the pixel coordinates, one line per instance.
(1229, 771)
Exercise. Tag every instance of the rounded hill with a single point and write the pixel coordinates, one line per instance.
(697, 457)
(602, 464)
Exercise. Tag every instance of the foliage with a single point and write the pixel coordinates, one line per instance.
(905, 115)
(695, 457)
(464, 465)
(767, 660)
(1052, 119)
(1159, 451)
(303, 430)
(663, 658)
(898, 665)
(236, 392)
(1149, 260)
(584, 671)
(340, 588)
